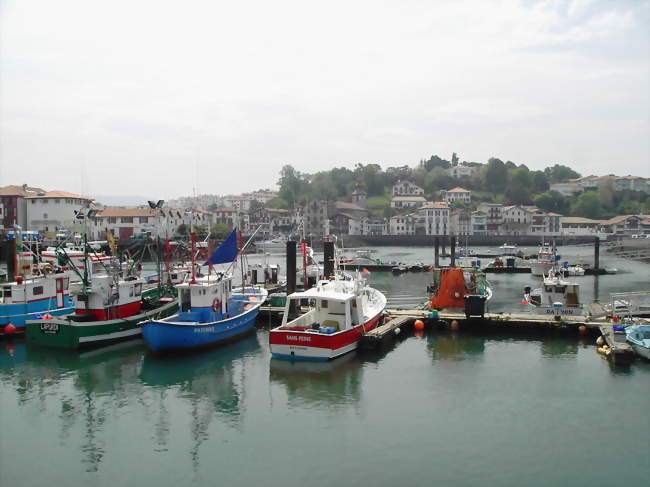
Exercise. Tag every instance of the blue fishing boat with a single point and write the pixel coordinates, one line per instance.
(211, 311)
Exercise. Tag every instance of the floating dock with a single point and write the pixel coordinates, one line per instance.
(620, 352)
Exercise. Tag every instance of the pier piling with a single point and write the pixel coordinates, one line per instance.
(596, 253)
(328, 259)
(436, 252)
(452, 251)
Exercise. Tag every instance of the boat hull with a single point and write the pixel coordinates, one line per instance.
(540, 268)
(18, 314)
(640, 349)
(292, 345)
(64, 333)
(168, 335)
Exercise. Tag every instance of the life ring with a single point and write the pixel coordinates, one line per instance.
(216, 305)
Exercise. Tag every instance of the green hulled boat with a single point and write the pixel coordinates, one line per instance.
(94, 326)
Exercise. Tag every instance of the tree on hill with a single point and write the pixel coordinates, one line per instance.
(496, 175)
(435, 161)
(559, 173)
(587, 205)
(292, 184)
(372, 177)
(552, 201)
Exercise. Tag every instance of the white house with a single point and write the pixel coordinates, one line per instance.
(435, 218)
(402, 225)
(460, 171)
(456, 194)
(460, 222)
(406, 188)
(516, 220)
(407, 201)
(567, 189)
(367, 226)
(575, 225)
(479, 223)
(51, 211)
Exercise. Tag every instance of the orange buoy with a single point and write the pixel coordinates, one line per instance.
(418, 325)
(582, 329)
(9, 329)
(454, 325)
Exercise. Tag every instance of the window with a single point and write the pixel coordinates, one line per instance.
(44, 216)
(57, 201)
(38, 290)
(126, 219)
(112, 219)
(143, 219)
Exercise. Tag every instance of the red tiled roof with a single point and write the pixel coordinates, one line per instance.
(60, 194)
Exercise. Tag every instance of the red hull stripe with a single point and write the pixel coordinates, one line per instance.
(317, 340)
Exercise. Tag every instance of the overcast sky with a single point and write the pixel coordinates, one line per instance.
(156, 98)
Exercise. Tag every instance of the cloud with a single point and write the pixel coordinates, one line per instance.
(241, 88)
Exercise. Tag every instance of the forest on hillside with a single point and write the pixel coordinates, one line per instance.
(496, 182)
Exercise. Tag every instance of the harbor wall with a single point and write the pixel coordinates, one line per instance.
(472, 240)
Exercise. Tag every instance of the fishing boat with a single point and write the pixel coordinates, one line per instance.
(573, 270)
(360, 257)
(638, 336)
(452, 285)
(509, 249)
(557, 296)
(338, 312)
(31, 296)
(108, 307)
(211, 311)
(545, 260)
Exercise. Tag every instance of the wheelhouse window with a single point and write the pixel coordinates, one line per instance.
(38, 290)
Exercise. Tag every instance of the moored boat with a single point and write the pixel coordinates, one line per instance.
(638, 336)
(108, 307)
(30, 296)
(338, 312)
(210, 310)
(557, 296)
(545, 260)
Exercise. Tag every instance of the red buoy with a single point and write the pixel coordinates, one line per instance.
(418, 325)
(9, 329)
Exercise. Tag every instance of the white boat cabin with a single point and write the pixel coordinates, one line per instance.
(206, 300)
(107, 298)
(27, 290)
(333, 306)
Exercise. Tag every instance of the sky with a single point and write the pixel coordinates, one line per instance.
(167, 98)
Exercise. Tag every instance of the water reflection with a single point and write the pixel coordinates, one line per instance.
(211, 381)
(455, 346)
(331, 383)
(100, 379)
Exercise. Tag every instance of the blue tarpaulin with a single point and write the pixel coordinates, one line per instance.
(227, 251)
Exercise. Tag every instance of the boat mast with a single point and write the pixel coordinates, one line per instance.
(193, 250)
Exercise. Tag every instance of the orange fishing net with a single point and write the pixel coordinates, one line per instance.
(451, 290)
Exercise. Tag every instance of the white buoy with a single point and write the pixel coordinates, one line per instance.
(397, 331)
(600, 341)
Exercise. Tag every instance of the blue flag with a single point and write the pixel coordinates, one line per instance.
(227, 251)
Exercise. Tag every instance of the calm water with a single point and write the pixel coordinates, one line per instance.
(448, 409)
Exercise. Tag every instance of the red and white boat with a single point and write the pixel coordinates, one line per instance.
(338, 313)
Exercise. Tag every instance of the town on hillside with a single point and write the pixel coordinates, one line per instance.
(438, 198)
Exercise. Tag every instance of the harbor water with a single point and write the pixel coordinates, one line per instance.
(445, 408)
